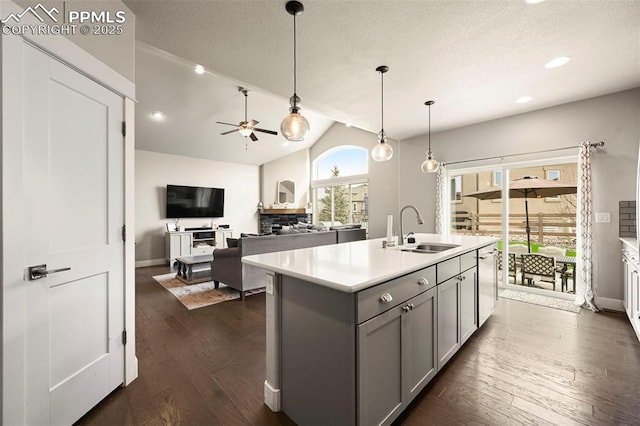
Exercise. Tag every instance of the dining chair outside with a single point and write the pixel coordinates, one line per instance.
(512, 265)
(538, 267)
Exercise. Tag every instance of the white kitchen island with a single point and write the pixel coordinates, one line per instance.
(355, 331)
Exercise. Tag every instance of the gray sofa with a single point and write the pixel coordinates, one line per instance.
(227, 266)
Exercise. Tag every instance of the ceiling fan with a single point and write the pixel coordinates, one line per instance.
(246, 128)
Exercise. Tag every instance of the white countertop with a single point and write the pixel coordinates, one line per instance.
(631, 242)
(351, 267)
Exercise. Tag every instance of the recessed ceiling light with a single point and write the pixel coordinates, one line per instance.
(523, 99)
(533, 1)
(199, 69)
(557, 62)
(347, 124)
(157, 115)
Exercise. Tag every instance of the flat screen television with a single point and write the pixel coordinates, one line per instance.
(194, 201)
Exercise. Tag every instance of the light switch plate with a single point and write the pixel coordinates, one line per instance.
(270, 285)
(603, 217)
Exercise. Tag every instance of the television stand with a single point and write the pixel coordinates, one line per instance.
(194, 242)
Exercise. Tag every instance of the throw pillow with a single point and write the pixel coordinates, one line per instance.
(232, 242)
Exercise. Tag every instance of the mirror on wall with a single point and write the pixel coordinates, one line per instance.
(286, 191)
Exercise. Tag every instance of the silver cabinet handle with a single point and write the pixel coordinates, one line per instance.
(406, 308)
(386, 298)
(423, 281)
(40, 271)
(410, 305)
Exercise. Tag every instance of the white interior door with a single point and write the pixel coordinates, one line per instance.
(73, 180)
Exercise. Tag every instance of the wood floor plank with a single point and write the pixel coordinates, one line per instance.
(527, 365)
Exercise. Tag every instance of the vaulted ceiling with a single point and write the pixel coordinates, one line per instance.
(474, 58)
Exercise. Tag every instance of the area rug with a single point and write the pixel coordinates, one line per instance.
(196, 296)
(536, 299)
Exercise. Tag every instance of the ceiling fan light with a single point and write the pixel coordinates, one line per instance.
(245, 131)
(294, 127)
(382, 152)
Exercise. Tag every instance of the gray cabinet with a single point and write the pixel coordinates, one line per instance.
(448, 325)
(457, 304)
(468, 304)
(396, 358)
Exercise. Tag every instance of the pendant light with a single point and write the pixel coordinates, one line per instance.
(294, 127)
(382, 151)
(430, 165)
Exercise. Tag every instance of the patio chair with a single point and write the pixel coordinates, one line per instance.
(512, 265)
(538, 267)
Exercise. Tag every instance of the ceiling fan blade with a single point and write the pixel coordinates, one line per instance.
(227, 124)
(252, 123)
(230, 131)
(271, 132)
(253, 137)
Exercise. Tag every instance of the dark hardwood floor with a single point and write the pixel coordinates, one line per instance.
(527, 365)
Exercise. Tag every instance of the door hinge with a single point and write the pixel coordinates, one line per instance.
(124, 128)
(124, 337)
(124, 232)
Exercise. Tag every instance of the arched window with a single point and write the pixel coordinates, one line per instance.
(340, 186)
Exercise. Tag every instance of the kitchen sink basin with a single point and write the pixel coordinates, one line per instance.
(430, 248)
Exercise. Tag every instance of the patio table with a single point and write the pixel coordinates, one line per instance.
(566, 261)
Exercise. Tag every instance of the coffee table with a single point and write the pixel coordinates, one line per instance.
(187, 275)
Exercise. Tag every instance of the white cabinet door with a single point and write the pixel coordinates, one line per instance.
(73, 197)
(448, 325)
(626, 285)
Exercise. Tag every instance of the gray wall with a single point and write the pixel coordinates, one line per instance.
(294, 166)
(613, 118)
(155, 170)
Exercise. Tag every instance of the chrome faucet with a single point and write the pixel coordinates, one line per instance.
(418, 217)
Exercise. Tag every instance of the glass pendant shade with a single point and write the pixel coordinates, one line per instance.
(294, 127)
(382, 152)
(244, 131)
(430, 165)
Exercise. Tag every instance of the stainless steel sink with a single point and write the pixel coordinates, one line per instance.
(430, 248)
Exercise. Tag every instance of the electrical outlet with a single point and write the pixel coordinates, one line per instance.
(270, 285)
(603, 217)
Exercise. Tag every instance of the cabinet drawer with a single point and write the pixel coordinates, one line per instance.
(195, 251)
(468, 260)
(370, 304)
(448, 268)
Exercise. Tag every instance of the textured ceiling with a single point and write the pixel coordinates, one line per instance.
(474, 58)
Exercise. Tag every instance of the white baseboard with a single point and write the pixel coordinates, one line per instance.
(152, 262)
(610, 304)
(271, 397)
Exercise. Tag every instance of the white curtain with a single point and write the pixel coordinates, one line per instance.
(585, 287)
(442, 201)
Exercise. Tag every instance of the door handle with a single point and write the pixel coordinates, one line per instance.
(40, 271)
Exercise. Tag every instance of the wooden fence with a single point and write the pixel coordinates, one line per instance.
(541, 224)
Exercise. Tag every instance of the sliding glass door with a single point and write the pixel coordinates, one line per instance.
(537, 233)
